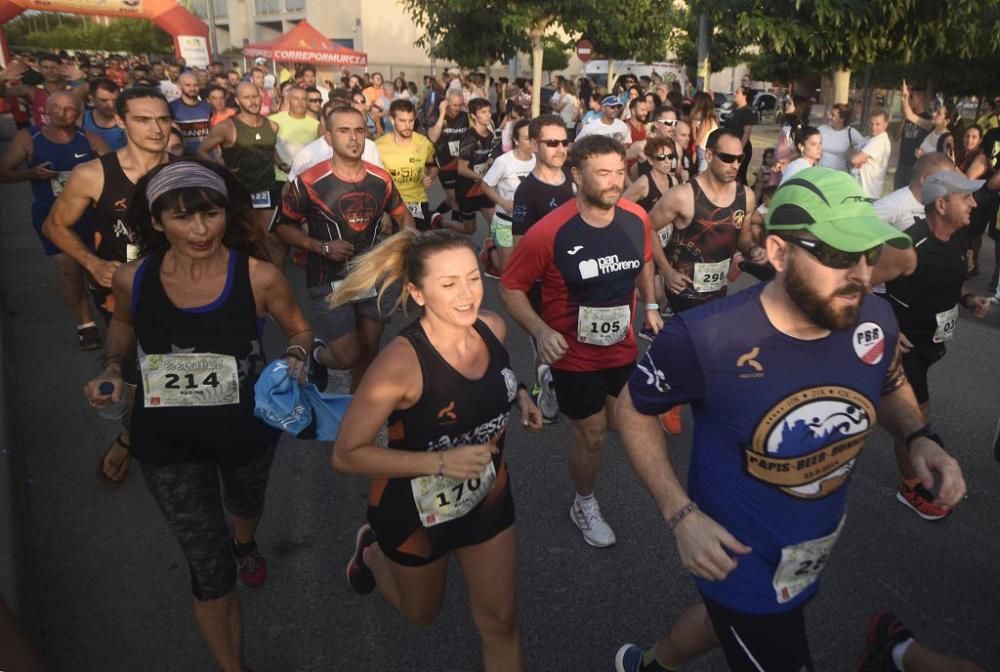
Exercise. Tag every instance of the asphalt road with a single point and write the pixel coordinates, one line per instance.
(112, 585)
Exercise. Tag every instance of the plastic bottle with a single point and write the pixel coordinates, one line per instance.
(115, 411)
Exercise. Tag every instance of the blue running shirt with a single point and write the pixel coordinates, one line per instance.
(779, 423)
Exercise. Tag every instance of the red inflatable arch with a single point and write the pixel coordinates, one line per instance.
(189, 32)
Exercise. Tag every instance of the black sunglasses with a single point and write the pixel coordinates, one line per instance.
(555, 143)
(664, 157)
(728, 158)
(831, 256)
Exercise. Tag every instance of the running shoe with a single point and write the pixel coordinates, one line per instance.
(436, 220)
(544, 394)
(646, 333)
(628, 658)
(671, 421)
(885, 631)
(486, 259)
(358, 575)
(921, 501)
(88, 338)
(251, 569)
(587, 517)
(318, 374)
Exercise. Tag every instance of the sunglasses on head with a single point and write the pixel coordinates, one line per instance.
(664, 157)
(667, 122)
(831, 256)
(728, 158)
(555, 143)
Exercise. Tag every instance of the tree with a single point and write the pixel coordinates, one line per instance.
(73, 32)
(556, 54)
(472, 32)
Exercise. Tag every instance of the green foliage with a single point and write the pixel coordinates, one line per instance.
(73, 32)
(727, 48)
(556, 53)
(771, 67)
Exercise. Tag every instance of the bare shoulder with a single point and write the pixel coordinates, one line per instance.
(263, 273)
(87, 180)
(124, 276)
(397, 370)
(495, 323)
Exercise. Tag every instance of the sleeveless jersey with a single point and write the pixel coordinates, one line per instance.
(114, 134)
(114, 240)
(412, 515)
(778, 425)
(478, 151)
(335, 209)
(926, 302)
(652, 195)
(447, 146)
(253, 155)
(195, 397)
(703, 249)
(61, 158)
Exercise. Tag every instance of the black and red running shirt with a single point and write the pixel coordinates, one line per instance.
(334, 208)
(584, 266)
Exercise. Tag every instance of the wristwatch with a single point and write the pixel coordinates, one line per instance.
(924, 431)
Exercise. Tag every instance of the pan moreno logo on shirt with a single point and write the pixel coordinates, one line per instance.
(807, 443)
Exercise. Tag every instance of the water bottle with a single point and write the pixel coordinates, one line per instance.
(115, 411)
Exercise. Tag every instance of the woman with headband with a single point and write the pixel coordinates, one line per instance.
(193, 307)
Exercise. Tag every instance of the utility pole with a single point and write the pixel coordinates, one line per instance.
(704, 45)
(213, 46)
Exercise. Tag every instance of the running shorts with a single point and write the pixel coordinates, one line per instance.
(916, 363)
(755, 642)
(581, 394)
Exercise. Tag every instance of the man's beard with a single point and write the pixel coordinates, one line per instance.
(819, 309)
(602, 199)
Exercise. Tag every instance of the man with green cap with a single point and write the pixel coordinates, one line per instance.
(783, 405)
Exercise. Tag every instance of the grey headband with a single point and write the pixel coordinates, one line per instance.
(181, 175)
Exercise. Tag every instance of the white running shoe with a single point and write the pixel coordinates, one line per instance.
(587, 517)
(547, 402)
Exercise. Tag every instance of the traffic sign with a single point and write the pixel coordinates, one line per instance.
(584, 49)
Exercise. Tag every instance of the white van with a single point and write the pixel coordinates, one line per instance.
(597, 71)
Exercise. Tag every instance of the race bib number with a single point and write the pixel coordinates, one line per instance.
(131, 252)
(59, 182)
(190, 379)
(664, 234)
(453, 146)
(946, 323)
(801, 565)
(603, 326)
(416, 210)
(370, 294)
(442, 498)
(710, 277)
(261, 200)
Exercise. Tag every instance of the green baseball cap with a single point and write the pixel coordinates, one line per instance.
(830, 205)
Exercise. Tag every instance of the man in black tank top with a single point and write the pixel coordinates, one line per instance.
(248, 139)
(106, 185)
(926, 290)
(707, 216)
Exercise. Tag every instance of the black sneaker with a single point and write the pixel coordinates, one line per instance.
(88, 338)
(885, 631)
(318, 374)
(358, 575)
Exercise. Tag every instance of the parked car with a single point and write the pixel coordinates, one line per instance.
(765, 105)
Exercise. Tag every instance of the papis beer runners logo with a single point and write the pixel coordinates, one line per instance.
(869, 343)
(806, 444)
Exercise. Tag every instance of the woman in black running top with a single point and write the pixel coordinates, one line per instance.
(441, 487)
(193, 307)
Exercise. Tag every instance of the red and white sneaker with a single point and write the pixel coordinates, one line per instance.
(671, 421)
(251, 569)
(921, 501)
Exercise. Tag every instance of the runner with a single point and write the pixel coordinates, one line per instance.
(441, 487)
(648, 188)
(409, 158)
(608, 124)
(107, 185)
(590, 254)
(56, 76)
(475, 154)
(664, 125)
(500, 184)
(925, 294)
(248, 140)
(546, 188)
(341, 203)
(319, 150)
(194, 303)
(50, 153)
(100, 119)
(296, 129)
(192, 116)
(446, 134)
(767, 485)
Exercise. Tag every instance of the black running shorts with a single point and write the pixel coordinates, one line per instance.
(757, 642)
(581, 394)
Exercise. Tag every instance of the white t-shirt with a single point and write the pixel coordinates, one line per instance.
(899, 208)
(505, 174)
(930, 142)
(170, 90)
(319, 150)
(794, 167)
(837, 145)
(617, 130)
(569, 110)
(871, 175)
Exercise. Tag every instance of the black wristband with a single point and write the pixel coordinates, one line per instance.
(924, 431)
(964, 299)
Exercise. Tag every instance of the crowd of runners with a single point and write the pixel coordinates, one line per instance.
(172, 200)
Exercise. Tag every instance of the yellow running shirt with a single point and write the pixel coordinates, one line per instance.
(406, 164)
